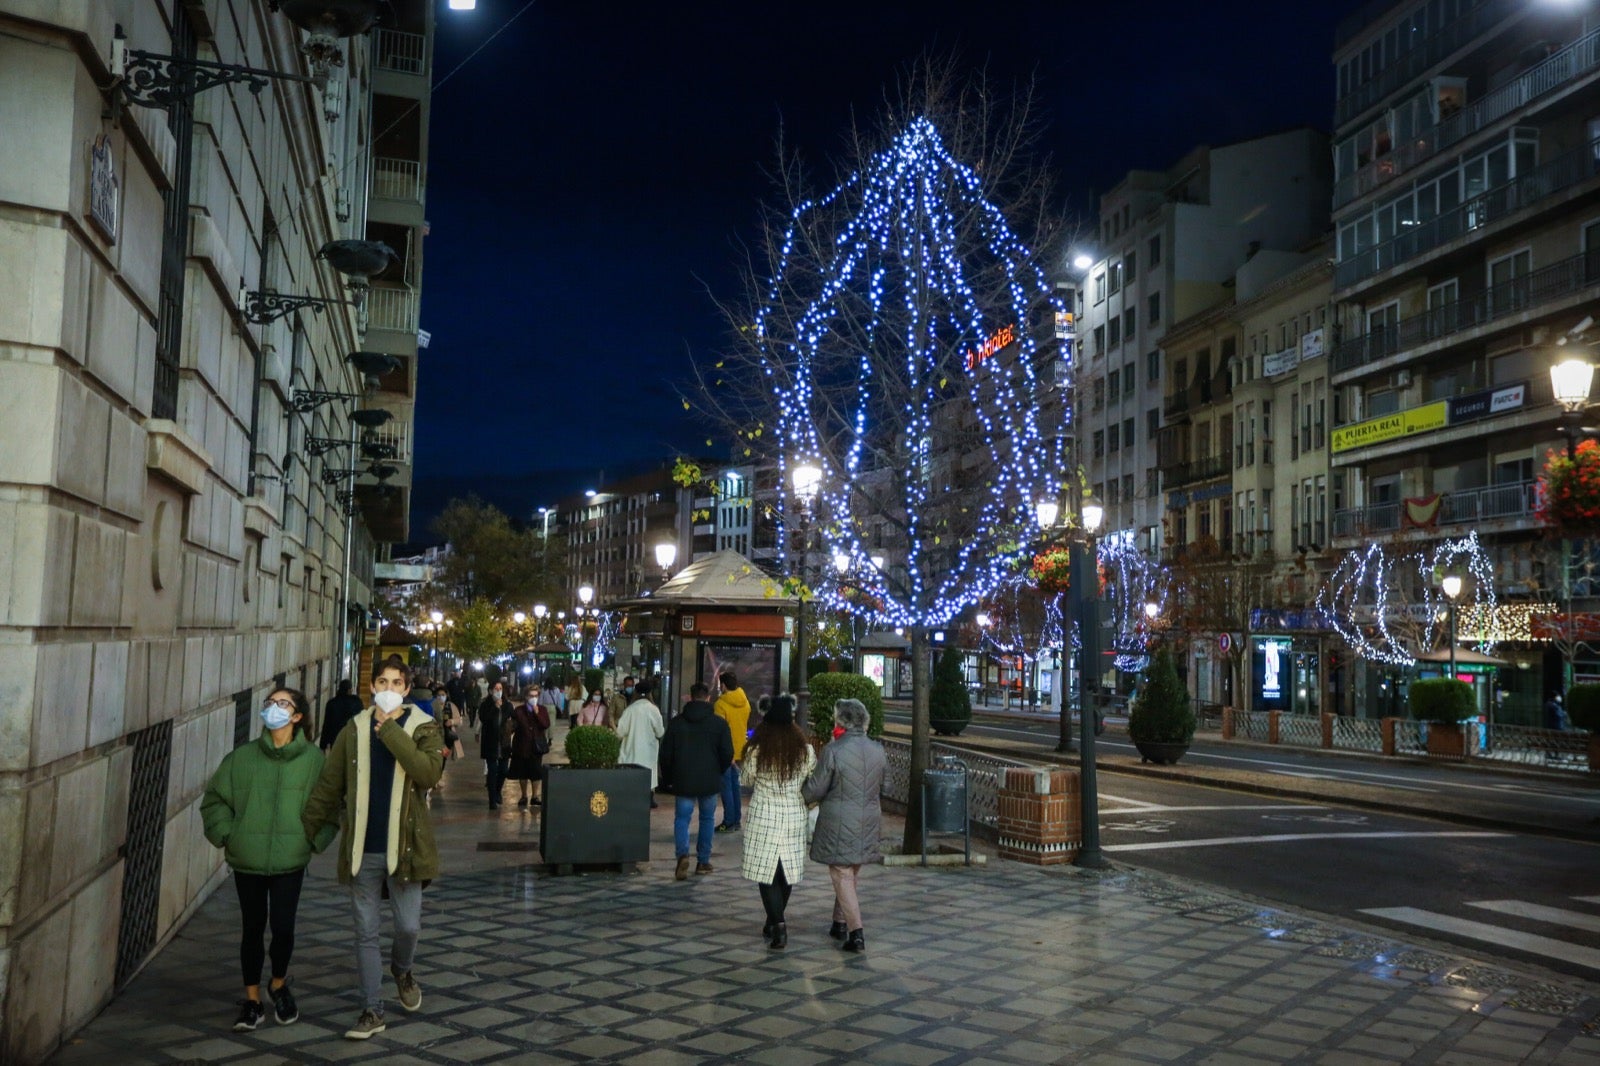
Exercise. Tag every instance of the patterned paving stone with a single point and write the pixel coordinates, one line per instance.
(1066, 966)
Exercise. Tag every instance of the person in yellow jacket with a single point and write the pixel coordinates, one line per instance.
(733, 706)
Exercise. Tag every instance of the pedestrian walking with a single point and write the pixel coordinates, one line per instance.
(695, 755)
(616, 702)
(594, 711)
(641, 729)
(575, 696)
(1555, 714)
(733, 707)
(846, 784)
(375, 781)
(337, 714)
(776, 765)
(492, 715)
(530, 740)
(251, 810)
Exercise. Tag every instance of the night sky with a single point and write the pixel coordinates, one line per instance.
(593, 169)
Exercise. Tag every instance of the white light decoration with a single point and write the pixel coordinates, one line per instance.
(1081, 261)
(1136, 588)
(881, 277)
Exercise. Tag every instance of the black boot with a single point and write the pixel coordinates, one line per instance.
(837, 930)
(780, 936)
(857, 941)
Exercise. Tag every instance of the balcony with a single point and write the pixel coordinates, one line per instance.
(397, 179)
(1547, 285)
(1565, 67)
(395, 432)
(1558, 175)
(1208, 468)
(392, 309)
(1516, 500)
(401, 53)
(1419, 60)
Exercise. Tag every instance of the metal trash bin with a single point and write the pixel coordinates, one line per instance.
(944, 803)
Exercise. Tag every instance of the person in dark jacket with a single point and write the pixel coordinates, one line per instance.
(337, 714)
(695, 755)
(530, 742)
(491, 716)
(846, 783)
(252, 811)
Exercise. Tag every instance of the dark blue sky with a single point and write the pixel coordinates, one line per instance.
(594, 166)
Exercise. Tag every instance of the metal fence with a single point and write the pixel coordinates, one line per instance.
(1302, 729)
(1357, 734)
(1529, 746)
(983, 778)
(1252, 725)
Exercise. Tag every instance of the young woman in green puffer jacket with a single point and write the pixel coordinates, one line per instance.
(252, 810)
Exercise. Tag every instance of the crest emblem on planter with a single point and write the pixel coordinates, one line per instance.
(599, 804)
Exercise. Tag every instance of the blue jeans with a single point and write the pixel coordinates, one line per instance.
(731, 811)
(708, 822)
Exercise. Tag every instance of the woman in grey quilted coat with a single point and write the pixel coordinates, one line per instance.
(775, 766)
(847, 783)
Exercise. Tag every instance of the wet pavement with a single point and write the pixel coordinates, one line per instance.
(1002, 963)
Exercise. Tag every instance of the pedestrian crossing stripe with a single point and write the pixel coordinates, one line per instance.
(1500, 936)
(1534, 911)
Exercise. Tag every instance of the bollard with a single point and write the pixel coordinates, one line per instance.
(1387, 726)
(1227, 723)
(1041, 818)
(1272, 726)
(1327, 729)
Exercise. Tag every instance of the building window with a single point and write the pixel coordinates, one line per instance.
(1127, 486)
(1114, 278)
(1155, 250)
(1153, 306)
(1099, 444)
(1152, 423)
(1114, 331)
(1130, 324)
(1152, 482)
(1099, 288)
(1114, 393)
(1112, 438)
(1127, 432)
(1099, 340)
(1130, 268)
(1152, 366)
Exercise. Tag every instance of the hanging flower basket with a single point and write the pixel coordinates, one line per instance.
(1051, 570)
(1569, 491)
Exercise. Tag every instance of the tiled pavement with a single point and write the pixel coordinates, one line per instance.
(996, 964)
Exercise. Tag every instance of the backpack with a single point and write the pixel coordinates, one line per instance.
(508, 730)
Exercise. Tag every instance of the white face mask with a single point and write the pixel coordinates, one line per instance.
(388, 702)
(275, 717)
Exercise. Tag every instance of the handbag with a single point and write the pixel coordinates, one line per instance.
(811, 822)
(541, 742)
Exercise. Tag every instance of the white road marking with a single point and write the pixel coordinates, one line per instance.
(1554, 915)
(1129, 800)
(1152, 807)
(1278, 838)
(1545, 946)
(1587, 899)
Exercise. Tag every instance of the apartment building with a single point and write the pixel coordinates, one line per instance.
(192, 502)
(1467, 155)
(1170, 241)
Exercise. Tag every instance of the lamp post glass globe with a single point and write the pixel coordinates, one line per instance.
(1152, 609)
(519, 618)
(841, 562)
(877, 561)
(539, 611)
(666, 554)
(585, 594)
(437, 616)
(1046, 510)
(1451, 585)
(1094, 513)
(982, 619)
(807, 477)
(1081, 261)
(1570, 380)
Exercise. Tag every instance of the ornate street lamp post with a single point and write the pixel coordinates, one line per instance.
(807, 477)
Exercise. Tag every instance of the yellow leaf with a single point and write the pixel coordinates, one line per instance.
(943, 382)
(686, 405)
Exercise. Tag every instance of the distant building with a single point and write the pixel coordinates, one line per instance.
(181, 532)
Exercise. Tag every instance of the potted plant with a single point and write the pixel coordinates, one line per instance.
(1161, 723)
(595, 812)
(1569, 491)
(949, 702)
(1583, 710)
(1051, 569)
(828, 689)
(1443, 702)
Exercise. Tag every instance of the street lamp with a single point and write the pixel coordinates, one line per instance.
(666, 555)
(586, 595)
(1570, 381)
(807, 478)
(1452, 588)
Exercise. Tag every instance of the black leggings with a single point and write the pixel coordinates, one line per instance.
(775, 897)
(263, 897)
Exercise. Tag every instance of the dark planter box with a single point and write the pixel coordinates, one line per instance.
(1447, 740)
(1161, 751)
(594, 817)
(949, 727)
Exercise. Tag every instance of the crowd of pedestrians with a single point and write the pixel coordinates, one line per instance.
(276, 801)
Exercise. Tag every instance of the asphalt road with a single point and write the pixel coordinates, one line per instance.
(1499, 894)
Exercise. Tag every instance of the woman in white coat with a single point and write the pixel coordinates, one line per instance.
(776, 764)
(641, 729)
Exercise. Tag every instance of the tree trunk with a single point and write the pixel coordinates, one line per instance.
(920, 740)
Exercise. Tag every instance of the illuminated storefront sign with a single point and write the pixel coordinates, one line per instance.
(1000, 339)
(1401, 424)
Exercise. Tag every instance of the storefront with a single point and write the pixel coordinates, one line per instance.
(1286, 657)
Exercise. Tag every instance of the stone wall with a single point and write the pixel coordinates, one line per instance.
(153, 584)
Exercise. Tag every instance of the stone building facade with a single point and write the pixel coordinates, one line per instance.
(170, 546)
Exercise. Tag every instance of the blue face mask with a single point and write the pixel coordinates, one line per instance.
(275, 717)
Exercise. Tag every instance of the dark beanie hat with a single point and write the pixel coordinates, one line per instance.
(779, 710)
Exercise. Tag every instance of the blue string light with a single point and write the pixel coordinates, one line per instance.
(888, 300)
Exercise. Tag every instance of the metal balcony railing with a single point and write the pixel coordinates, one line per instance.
(1537, 287)
(1572, 62)
(1374, 518)
(405, 53)
(1558, 175)
(1414, 63)
(1518, 499)
(1185, 473)
(397, 179)
(394, 309)
(397, 433)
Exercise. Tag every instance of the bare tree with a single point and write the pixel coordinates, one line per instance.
(1214, 592)
(896, 332)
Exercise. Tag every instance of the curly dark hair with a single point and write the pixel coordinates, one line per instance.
(780, 744)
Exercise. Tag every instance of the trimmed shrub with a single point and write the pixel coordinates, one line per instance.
(594, 679)
(1583, 707)
(1162, 713)
(828, 689)
(1441, 699)
(592, 747)
(949, 701)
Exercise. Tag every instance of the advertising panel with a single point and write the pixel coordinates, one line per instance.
(1269, 673)
(1401, 424)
